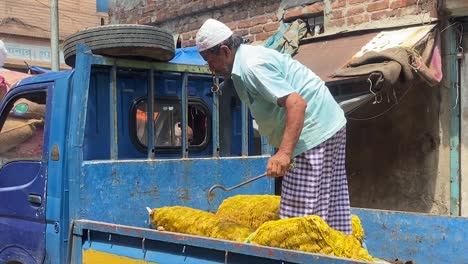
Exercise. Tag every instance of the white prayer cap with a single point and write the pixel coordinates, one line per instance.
(211, 33)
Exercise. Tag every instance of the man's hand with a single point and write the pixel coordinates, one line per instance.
(278, 165)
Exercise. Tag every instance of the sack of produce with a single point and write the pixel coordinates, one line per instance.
(250, 210)
(310, 234)
(197, 222)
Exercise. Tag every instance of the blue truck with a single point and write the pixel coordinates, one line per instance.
(81, 162)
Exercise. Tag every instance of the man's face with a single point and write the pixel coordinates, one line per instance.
(218, 62)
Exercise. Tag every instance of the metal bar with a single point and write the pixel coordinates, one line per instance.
(54, 35)
(452, 70)
(464, 129)
(114, 149)
(184, 115)
(245, 129)
(150, 115)
(215, 125)
(266, 148)
(158, 66)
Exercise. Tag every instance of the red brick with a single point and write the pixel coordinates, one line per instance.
(291, 14)
(401, 3)
(144, 21)
(383, 14)
(271, 27)
(337, 14)
(359, 19)
(241, 32)
(262, 36)
(377, 6)
(149, 8)
(260, 10)
(232, 25)
(244, 24)
(313, 9)
(355, 11)
(259, 20)
(256, 29)
(353, 2)
(272, 7)
(337, 22)
(219, 2)
(338, 4)
(241, 15)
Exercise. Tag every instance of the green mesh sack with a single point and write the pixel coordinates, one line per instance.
(250, 210)
(197, 222)
(310, 234)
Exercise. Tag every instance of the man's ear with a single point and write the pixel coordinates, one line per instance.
(226, 50)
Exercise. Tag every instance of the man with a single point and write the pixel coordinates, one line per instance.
(296, 111)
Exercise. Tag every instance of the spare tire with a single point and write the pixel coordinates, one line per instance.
(124, 41)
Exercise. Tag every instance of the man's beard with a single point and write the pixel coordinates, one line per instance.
(226, 71)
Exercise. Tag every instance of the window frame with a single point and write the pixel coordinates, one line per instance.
(169, 149)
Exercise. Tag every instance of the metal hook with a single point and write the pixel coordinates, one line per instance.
(226, 256)
(377, 97)
(215, 87)
(143, 245)
(183, 249)
(89, 237)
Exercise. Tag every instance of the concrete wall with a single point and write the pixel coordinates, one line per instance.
(398, 161)
(25, 28)
(393, 159)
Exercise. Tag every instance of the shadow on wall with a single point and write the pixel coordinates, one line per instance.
(392, 160)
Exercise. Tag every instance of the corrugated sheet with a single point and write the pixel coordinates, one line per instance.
(326, 56)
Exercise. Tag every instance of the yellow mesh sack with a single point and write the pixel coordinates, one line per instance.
(250, 210)
(356, 226)
(197, 222)
(310, 234)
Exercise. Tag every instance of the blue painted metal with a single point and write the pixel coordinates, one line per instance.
(123, 187)
(452, 70)
(23, 224)
(114, 134)
(167, 247)
(44, 78)
(76, 126)
(57, 213)
(184, 89)
(423, 238)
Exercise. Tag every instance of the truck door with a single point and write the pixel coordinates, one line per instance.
(23, 175)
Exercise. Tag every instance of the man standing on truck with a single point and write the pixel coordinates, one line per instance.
(296, 111)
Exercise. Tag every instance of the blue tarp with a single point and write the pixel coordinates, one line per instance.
(189, 55)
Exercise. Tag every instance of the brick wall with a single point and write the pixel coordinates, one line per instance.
(258, 20)
(31, 17)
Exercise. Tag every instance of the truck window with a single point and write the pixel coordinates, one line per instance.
(167, 120)
(22, 133)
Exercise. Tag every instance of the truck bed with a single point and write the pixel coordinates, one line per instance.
(389, 235)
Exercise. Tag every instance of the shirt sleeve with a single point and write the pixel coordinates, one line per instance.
(268, 81)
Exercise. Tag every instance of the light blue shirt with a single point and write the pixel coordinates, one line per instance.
(261, 76)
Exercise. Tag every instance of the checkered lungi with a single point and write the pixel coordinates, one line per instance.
(318, 185)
